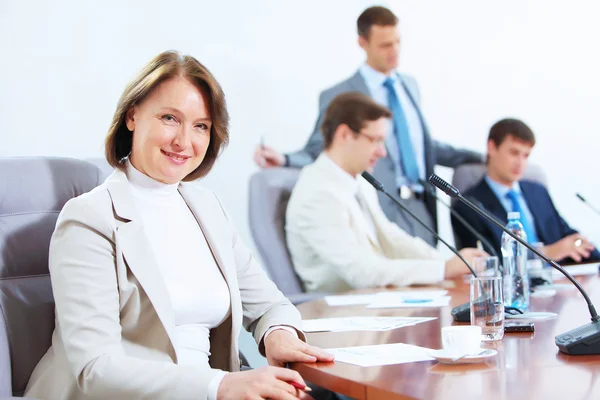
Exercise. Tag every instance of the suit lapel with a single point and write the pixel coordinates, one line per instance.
(493, 206)
(429, 149)
(391, 145)
(351, 201)
(364, 212)
(137, 251)
(211, 223)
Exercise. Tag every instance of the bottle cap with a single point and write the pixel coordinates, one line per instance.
(514, 215)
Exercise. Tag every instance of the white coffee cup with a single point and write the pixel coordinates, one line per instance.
(461, 340)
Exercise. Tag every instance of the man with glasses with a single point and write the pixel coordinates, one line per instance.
(338, 236)
(411, 152)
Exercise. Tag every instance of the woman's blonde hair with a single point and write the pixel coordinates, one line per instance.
(164, 66)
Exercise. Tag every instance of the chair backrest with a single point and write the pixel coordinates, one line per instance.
(33, 190)
(103, 165)
(270, 191)
(468, 175)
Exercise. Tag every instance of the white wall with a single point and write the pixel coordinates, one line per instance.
(65, 63)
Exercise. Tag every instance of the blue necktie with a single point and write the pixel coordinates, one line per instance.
(407, 153)
(527, 224)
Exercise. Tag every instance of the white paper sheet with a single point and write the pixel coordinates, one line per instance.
(347, 324)
(381, 354)
(416, 299)
(583, 269)
(358, 299)
(349, 299)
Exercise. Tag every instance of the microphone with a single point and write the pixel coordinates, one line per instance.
(431, 191)
(594, 209)
(579, 341)
(461, 313)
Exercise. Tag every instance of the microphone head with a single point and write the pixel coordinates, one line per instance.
(580, 197)
(374, 182)
(444, 186)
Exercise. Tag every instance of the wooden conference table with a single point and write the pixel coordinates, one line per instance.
(528, 365)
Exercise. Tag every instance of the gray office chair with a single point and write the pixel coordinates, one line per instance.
(33, 190)
(270, 191)
(103, 165)
(468, 175)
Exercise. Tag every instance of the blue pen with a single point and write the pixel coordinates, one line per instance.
(417, 301)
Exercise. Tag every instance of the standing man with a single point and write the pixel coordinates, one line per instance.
(411, 152)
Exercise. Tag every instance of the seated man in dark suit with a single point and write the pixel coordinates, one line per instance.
(501, 190)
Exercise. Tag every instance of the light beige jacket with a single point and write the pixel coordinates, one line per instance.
(114, 319)
(332, 247)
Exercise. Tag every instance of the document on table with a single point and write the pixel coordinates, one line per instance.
(575, 270)
(416, 299)
(347, 324)
(358, 299)
(349, 299)
(381, 354)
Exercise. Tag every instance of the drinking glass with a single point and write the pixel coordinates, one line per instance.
(486, 266)
(487, 306)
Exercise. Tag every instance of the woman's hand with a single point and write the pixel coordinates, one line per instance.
(282, 347)
(262, 383)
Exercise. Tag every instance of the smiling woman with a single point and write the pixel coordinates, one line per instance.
(173, 126)
(152, 283)
(178, 102)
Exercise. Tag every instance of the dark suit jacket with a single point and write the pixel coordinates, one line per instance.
(435, 152)
(550, 226)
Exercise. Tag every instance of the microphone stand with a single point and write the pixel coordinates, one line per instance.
(582, 340)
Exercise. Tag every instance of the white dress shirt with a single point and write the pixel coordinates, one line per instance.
(374, 80)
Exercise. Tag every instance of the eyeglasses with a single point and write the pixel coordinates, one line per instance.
(374, 140)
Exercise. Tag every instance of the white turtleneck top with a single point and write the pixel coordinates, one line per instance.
(197, 289)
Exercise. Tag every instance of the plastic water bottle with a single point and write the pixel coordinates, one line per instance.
(514, 271)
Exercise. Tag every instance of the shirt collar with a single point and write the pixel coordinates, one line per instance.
(349, 182)
(373, 78)
(501, 190)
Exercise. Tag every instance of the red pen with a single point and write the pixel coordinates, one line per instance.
(299, 386)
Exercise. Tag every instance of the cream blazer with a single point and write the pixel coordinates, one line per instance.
(332, 247)
(114, 319)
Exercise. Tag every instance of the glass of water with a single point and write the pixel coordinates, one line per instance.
(486, 266)
(487, 306)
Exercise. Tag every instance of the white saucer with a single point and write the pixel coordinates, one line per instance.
(445, 358)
